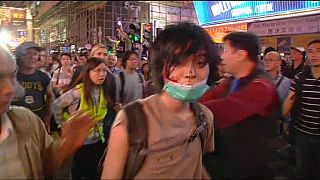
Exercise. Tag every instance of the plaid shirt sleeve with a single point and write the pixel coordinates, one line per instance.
(64, 101)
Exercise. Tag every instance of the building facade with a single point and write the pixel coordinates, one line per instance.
(61, 23)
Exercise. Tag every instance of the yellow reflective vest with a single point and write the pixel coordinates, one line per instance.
(99, 112)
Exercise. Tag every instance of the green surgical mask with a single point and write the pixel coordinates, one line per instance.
(188, 93)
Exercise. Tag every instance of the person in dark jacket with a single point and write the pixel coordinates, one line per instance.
(244, 106)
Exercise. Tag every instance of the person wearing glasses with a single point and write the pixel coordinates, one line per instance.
(88, 94)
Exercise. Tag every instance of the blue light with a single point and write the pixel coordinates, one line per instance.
(215, 12)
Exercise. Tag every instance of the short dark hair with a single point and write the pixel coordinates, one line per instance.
(314, 42)
(65, 54)
(126, 56)
(245, 41)
(119, 55)
(268, 49)
(177, 42)
(83, 54)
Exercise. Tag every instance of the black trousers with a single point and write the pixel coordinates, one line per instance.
(85, 161)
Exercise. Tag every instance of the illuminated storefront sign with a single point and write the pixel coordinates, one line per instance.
(299, 25)
(215, 12)
(218, 32)
(18, 15)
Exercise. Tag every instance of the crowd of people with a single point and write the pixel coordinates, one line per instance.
(188, 99)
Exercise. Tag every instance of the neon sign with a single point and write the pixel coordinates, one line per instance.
(215, 12)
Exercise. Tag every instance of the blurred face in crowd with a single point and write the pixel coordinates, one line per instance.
(65, 61)
(146, 68)
(119, 64)
(296, 55)
(42, 59)
(49, 60)
(74, 60)
(8, 81)
(132, 62)
(98, 74)
(272, 61)
(82, 60)
(230, 58)
(101, 53)
(313, 53)
(30, 61)
(111, 60)
(191, 70)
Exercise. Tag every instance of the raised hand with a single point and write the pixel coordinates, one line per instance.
(75, 132)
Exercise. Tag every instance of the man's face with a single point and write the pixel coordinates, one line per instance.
(296, 55)
(42, 59)
(111, 61)
(132, 62)
(82, 60)
(271, 62)
(8, 82)
(30, 60)
(314, 54)
(230, 58)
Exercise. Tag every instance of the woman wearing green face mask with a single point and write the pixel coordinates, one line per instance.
(182, 60)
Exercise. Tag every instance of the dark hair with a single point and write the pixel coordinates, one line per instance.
(245, 41)
(314, 42)
(119, 55)
(126, 56)
(65, 54)
(84, 77)
(177, 42)
(83, 54)
(268, 49)
(76, 58)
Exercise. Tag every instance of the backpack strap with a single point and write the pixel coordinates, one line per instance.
(138, 138)
(58, 77)
(202, 125)
(279, 82)
(121, 75)
(141, 82)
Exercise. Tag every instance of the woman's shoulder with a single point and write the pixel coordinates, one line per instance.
(208, 115)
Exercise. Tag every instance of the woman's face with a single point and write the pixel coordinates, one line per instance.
(190, 71)
(49, 60)
(74, 61)
(101, 53)
(98, 74)
(146, 68)
(65, 61)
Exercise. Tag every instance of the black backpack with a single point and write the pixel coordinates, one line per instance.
(138, 137)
